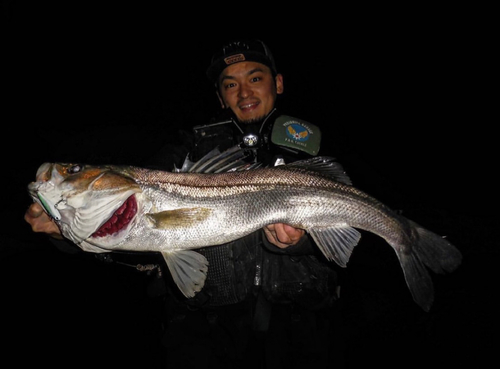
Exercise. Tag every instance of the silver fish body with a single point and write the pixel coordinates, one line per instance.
(106, 208)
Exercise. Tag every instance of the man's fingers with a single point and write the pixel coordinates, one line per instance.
(288, 234)
(282, 235)
(35, 210)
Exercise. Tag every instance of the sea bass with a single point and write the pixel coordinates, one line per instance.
(108, 208)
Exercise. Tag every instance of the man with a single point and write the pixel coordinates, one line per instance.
(270, 296)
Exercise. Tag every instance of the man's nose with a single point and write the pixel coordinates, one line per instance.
(244, 91)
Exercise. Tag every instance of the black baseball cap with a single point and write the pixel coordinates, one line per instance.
(239, 51)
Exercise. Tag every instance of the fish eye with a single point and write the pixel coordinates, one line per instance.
(77, 168)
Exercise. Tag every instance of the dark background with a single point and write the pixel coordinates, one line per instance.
(111, 83)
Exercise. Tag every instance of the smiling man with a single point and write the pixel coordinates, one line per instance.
(250, 90)
(270, 283)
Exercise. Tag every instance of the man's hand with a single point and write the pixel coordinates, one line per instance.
(41, 222)
(283, 235)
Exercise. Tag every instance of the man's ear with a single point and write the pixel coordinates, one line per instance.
(221, 101)
(279, 84)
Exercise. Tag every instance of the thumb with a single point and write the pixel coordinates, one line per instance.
(35, 210)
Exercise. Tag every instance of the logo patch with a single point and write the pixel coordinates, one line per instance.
(234, 59)
(296, 134)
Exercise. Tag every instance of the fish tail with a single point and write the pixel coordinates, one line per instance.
(427, 250)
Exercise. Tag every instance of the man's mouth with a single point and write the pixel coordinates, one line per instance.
(248, 106)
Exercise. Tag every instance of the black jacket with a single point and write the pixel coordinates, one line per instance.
(246, 268)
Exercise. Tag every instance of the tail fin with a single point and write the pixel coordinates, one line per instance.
(427, 250)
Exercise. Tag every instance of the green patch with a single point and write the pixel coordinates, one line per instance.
(296, 134)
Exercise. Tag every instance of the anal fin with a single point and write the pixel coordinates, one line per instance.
(336, 243)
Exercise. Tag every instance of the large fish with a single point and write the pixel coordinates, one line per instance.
(107, 208)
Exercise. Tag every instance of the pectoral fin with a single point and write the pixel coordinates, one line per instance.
(189, 270)
(336, 243)
(179, 217)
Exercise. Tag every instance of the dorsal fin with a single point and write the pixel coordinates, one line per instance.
(215, 161)
(325, 165)
(232, 159)
(190, 166)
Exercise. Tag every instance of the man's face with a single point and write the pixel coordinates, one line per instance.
(249, 90)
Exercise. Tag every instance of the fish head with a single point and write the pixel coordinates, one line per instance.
(96, 204)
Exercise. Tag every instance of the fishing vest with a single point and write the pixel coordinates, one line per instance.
(277, 139)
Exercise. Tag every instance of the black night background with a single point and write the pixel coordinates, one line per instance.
(111, 84)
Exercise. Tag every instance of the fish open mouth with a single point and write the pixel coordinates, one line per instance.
(120, 218)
